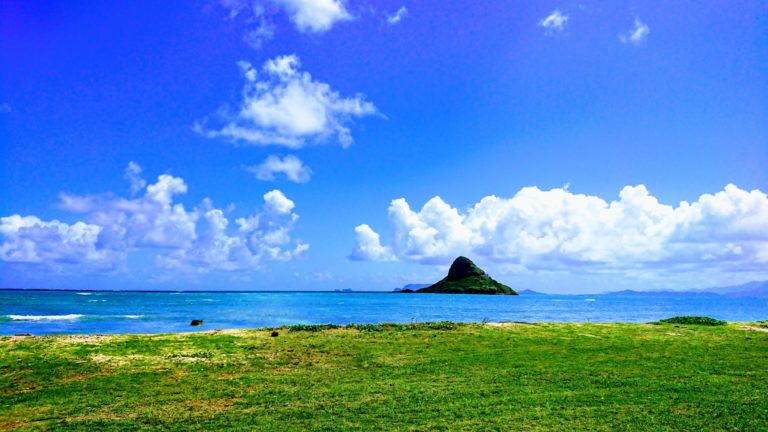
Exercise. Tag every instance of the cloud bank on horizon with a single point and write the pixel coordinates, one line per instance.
(557, 229)
(197, 240)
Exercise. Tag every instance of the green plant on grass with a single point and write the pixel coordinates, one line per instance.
(311, 327)
(693, 320)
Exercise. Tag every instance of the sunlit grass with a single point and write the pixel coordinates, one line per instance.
(438, 376)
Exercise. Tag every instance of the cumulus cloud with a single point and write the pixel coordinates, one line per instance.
(284, 106)
(314, 15)
(291, 166)
(276, 202)
(368, 246)
(557, 229)
(555, 22)
(307, 16)
(637, 34)
(27, 239)
(397, 16)
(198, 240)
(258, 238)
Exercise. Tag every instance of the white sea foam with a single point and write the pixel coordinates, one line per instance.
(133, 316)
(44, 317)
(589, 299)
(84, 293)
(94, 301)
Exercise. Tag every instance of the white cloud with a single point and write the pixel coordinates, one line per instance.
(314, 15)
(133, 175)
(397, 16)
(293, 168)
(152, 221)
(278, 203)
(637, 34)
(557, 229)
(30, 240)
(195, 240)
(307, 16)
(285, 106)
(368, 246)
(555, 22)
(259, 238)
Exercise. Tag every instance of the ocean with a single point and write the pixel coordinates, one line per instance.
(91, 312)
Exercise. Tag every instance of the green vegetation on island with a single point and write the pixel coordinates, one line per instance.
(464, 277)
(436, 376)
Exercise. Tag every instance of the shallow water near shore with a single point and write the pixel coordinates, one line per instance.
(52, 312)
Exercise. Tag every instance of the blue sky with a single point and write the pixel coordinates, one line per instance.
(560, 138)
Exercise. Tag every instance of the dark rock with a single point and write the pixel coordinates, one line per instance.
(463, 267)
(275, 333)
(196, 323)
(464, 277)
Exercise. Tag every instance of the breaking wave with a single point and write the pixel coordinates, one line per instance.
(69, 317)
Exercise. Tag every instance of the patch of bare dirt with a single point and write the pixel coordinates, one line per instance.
(506, 324)
(88, 339)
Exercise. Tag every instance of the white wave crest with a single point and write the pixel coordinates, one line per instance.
(44, 317)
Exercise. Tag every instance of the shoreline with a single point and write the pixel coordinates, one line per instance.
(759, 326)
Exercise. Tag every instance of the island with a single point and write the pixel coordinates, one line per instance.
(465, 277)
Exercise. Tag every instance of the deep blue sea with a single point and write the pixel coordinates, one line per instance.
(50, 312)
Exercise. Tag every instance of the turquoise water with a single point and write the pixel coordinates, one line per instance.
(48, 312)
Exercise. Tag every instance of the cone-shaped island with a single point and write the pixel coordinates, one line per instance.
(464, 277)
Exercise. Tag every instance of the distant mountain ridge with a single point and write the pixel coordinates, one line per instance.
(412, 287)
(530, 292)
(757, 289)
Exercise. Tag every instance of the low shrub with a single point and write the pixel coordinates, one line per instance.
(311, 327)
(692, 320)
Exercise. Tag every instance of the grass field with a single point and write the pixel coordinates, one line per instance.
(444, 376)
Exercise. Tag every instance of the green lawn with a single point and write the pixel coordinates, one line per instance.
(557, 377)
